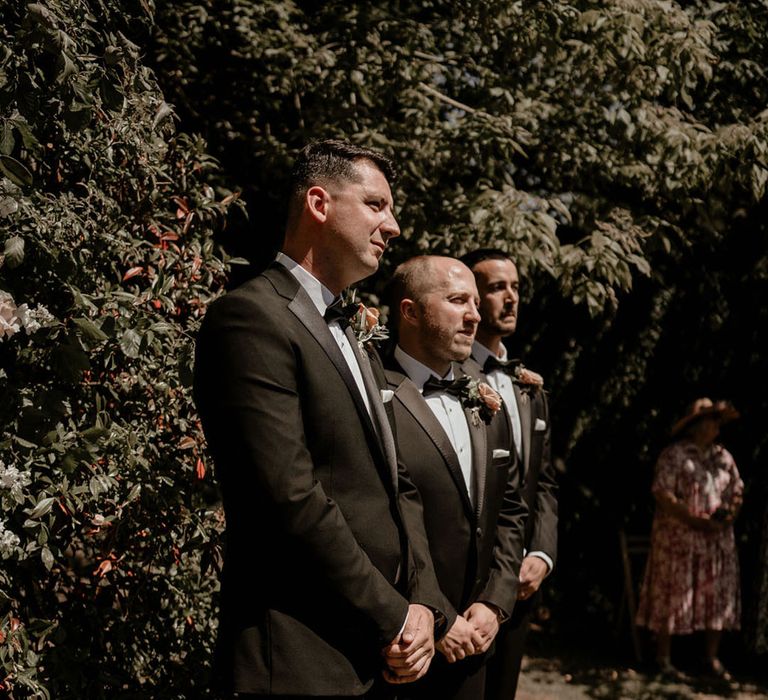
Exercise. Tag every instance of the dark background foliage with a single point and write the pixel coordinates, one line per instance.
(618, 150)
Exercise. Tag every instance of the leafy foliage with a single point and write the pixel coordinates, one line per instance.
(106, 531)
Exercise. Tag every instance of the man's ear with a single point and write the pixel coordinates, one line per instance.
(409, 311)
(318, 200)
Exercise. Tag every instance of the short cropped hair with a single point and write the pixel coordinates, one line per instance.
(330, 160)
(410, 280)
(477, 256)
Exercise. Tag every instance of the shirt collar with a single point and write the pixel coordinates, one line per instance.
(481, 353)
(417, 372)
(321, 296)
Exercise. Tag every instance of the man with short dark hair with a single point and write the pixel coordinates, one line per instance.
(498, 285)
(315, 602)
(473, 512)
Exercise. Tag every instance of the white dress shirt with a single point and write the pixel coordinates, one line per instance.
(502, 383)
(448, 411)
(322, 298)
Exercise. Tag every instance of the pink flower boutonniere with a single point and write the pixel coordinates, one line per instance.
(482, 400)
(528, 380)
(364, 321)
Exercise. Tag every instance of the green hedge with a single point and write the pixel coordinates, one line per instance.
(107, 532)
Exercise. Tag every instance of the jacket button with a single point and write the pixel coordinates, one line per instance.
(479, 532)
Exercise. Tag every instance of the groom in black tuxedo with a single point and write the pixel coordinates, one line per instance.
(464, 471)
(322, 592)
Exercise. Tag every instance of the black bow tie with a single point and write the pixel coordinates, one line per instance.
(493, 363)
(454, 387)
(338, 311)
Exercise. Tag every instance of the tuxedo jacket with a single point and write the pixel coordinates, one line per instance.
(318, 568)
(538, 477)
(476, 547)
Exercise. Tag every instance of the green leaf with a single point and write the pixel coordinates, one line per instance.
(47, 558)
(89, 330)
(131, 343)
(8, 206)
(42, 507)
(14, 251)
(15, 171)
(94, 434)
(7, 141)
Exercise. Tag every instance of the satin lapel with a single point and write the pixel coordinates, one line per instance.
(479, 457)
(377, 407)
(524, 407)
(303, 308)
(415, 404)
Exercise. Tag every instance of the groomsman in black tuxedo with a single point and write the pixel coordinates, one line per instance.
(499, 288)
(324, 589)
(473, 512)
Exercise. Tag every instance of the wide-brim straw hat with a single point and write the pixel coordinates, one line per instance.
(704, 408)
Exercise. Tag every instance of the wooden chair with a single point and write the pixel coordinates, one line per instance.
(634, 548)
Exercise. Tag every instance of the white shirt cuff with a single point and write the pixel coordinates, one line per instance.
(545, 557)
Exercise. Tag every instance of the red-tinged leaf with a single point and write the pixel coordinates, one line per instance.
(183, 207)
(103, 569)
(188, 222)
(186, 443)
(133, 272)
(15, 624)
(200, 469)
(169, 236)
(2, 640)
(157, 304)
(63, 508)
(190, 621)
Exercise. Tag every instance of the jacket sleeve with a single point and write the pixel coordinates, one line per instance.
(544, 530)
(503, 580)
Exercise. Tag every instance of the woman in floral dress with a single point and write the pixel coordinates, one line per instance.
(691, 580)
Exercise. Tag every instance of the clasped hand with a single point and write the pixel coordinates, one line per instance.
(471, 633)
(408, 656)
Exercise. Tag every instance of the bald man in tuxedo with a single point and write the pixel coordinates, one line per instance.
(462, 467)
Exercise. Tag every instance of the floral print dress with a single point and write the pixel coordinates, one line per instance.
(691, 580)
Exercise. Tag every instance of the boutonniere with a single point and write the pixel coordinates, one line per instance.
(482, 401)
(528, 380)
(364, 321)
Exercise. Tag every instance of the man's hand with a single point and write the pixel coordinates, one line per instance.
(486, 621)
(408, 656)
(461, 641)
(532, 573)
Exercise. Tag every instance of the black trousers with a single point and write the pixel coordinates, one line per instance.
(463, 680)
(380, 691)
(503, 667)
